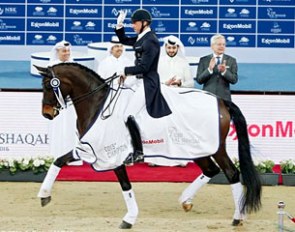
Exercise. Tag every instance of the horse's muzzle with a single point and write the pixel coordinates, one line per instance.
(49, 112)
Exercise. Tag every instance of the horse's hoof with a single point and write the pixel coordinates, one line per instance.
(125, 225)
(45, 201)
(237, 222)
(187, 206)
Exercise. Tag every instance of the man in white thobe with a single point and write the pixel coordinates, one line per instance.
(115, 61)
(62, 129)
(173, 67)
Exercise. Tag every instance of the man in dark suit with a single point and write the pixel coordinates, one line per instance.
(147, 51)
(217, 71)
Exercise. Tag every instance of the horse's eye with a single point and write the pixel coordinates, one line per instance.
(46, 85)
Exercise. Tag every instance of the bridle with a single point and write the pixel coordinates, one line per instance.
(62, 102)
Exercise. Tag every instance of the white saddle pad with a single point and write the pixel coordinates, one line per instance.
(190, 132)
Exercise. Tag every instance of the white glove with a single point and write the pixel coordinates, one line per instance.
(121, 17)
(121, 72)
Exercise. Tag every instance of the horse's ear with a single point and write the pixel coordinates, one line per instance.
(41, 70)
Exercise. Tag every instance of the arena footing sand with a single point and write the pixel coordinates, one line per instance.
(99, 206)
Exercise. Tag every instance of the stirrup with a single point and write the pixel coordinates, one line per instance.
(135, 157)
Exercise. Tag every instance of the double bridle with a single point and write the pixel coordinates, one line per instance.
(55, 83)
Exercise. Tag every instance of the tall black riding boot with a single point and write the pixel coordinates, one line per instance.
(137, 155)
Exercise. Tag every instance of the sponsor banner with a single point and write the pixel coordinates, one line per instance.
(276, 27)
(276, 13)
(199, 2)
(8, 38)
(238, 2)
(237, 12)
(113, 11)
(159, 2)
(199, 40)
(82, 2)
(12, 10)
(44, 38)
(110, 25)
(237, 26)
(198, 12)
(23, 130)
(83, 39)
(45, 10)
(279, 41)
(169, 26)
(271, 126)
(49, 24)
(235, 40)
(163, 11)
(277, 2)
(46, 1)
(122, 2)
(199, 26)
(191, 19)
(83, 25)
(13, 1)
(76, 11)
(11, 24)
(270, 120)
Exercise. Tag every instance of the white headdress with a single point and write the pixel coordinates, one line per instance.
(173, 40)
(57, 46)
(112, 43)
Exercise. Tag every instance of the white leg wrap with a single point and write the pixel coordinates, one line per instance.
(189, 193)
(132, 208)
(45, 190)
(238, 194)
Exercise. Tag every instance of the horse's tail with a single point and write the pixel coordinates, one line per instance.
(250, 176)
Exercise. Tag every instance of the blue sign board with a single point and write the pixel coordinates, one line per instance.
(244, 23)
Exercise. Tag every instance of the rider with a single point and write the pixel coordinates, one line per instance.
(147, 52)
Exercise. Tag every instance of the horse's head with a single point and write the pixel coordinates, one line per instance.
(55, 89)
(78, 82)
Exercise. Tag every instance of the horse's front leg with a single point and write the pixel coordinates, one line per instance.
(46, 187)
(129, 197)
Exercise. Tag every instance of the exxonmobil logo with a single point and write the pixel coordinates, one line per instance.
(153, 141)
(277, 129)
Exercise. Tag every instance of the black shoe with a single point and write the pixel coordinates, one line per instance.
(135, 157)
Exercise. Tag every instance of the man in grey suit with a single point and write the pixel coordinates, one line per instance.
(217, 71)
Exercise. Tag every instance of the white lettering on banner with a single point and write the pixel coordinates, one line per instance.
(237, 26)
(10, 38)
(45, 24)
(198, 12)
(275, 41)
(113, 25)
(83, 11)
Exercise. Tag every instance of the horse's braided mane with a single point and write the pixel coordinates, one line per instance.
(83, 68)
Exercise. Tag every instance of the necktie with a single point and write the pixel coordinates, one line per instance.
(218, 60)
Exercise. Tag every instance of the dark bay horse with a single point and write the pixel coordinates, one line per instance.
(88, 93)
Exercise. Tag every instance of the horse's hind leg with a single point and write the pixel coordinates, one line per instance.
(47, 184)
(209, 170)
(129, 197)
(233, 176)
